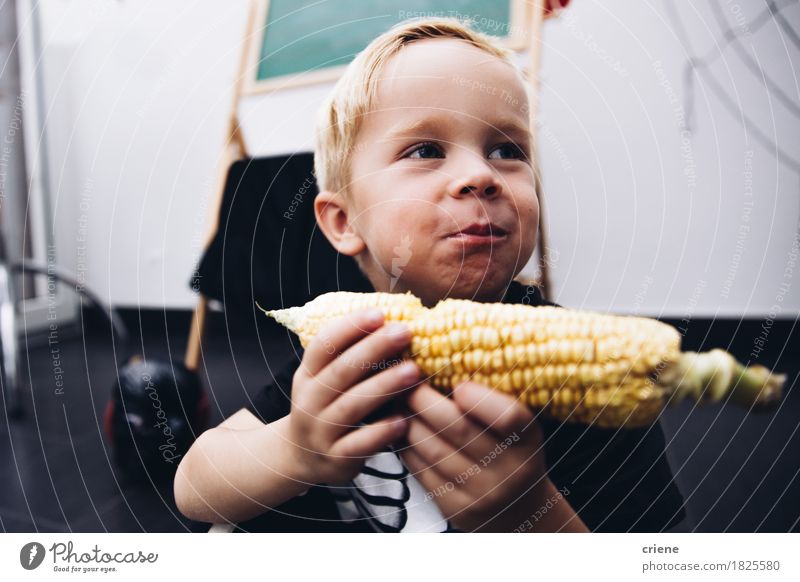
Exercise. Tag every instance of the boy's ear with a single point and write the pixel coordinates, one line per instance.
(332, 217)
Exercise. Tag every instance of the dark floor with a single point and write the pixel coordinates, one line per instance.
(737, 472)
(58, 469)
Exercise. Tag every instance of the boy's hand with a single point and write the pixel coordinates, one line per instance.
(335, 388)
(477, 454)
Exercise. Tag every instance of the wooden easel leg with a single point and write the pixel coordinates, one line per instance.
(541, 243)
(234, 148)
(536, 15)
(194, 349)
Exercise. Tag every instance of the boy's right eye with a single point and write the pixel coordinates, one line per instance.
(425, 151)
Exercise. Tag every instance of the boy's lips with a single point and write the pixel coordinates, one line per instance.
(479, 234)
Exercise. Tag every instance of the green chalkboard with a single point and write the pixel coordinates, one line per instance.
(311, 35)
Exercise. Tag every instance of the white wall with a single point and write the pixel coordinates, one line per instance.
(142, 91)
(642, 217)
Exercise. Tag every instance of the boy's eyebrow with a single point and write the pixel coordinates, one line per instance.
(512, 127)
(416, 127)
(507, 125)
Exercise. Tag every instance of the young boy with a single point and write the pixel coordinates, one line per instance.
(423, 165)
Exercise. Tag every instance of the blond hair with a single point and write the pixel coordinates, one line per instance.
(340, 116)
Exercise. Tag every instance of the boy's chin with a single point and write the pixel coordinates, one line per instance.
(490, 289)
(484, 285)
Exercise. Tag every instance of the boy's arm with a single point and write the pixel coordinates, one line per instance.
(237, 471)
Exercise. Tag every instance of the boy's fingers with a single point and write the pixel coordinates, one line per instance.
(430, 478)
(363, 359)
(445, 418)
(501, 413)
(370, 439)
(352, 406)
(436, 451)
(337, 336)
(433, 481)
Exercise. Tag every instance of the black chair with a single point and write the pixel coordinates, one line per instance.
(266, 249)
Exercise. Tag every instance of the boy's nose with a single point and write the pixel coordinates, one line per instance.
(478, 183)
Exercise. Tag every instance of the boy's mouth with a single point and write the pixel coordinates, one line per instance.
(479, 234)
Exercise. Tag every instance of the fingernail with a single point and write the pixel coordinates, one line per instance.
(410, 371)
(398, 330)
(374, 316)
(399, 425)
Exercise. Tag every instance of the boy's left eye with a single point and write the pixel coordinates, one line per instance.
(507, 151)
(424, 151)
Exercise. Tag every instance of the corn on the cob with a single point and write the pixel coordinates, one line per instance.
(307, 320)
(611, 371)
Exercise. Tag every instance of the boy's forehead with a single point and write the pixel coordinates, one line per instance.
(451, 75)
(440, 55)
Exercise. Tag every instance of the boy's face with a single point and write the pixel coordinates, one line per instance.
(442, 199)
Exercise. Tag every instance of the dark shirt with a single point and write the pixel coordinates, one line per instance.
(615, 480)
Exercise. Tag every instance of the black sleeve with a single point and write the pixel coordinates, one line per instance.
(526, 295)
(615, 480)
(273, 401)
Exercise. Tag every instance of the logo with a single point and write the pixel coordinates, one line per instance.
(31, 555)
(402, 256)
